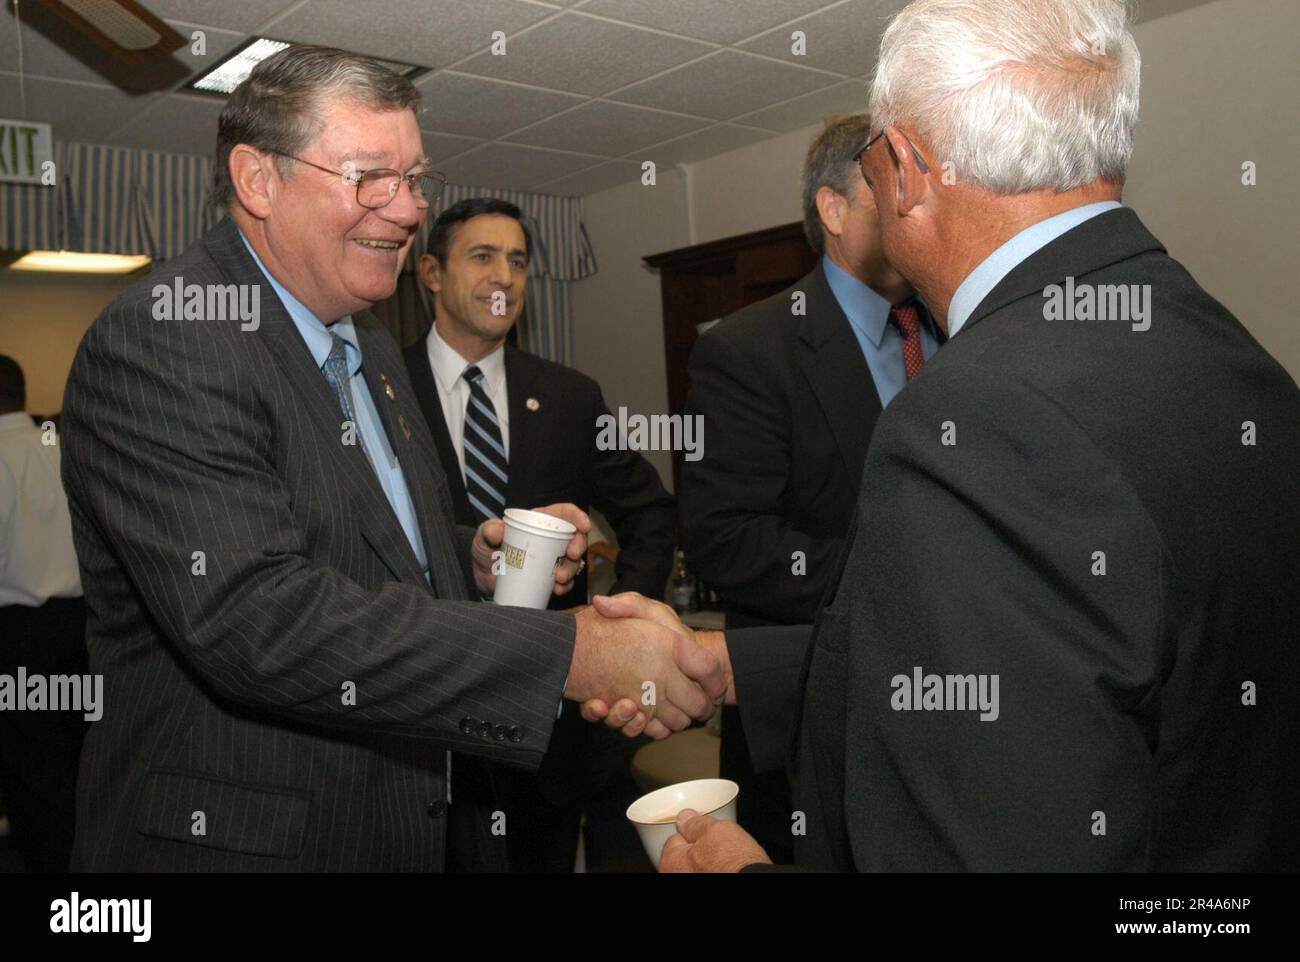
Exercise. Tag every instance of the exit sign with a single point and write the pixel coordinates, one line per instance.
(26, 152)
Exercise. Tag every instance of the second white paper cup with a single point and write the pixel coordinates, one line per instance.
(707, 796)
(533, 544)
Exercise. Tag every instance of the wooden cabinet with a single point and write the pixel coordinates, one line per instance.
(709, 281)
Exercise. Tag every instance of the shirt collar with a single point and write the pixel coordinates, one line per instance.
(448, 365)
(866, 310)
(314, 332)
(980, 282)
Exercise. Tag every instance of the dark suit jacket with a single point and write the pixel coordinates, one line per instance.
(788, 405)
(224, 684)
(1125, 695)
(554, 458)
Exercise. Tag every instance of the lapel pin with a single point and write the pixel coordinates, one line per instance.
(532, 404)
(401, 420)
(388, 388)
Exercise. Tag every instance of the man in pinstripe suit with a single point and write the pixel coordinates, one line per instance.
(279, 599)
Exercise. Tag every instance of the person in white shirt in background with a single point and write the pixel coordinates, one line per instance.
(42, 630)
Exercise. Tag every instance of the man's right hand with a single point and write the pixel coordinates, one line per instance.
(626, 714)
(657, 676)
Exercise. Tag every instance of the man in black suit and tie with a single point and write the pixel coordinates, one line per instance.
(513, 429)
(790, 389)
(1052, 648)
(295, 675)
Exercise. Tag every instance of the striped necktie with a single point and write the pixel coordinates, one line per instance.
(486, 465)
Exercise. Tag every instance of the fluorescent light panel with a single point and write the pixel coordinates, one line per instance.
(69, 262)
(231, 72)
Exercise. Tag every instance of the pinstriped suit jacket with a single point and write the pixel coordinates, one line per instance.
(244, 573)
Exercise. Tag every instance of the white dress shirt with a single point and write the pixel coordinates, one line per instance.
(37, 560)
(453, 390)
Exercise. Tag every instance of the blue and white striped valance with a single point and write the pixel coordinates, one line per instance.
(111, 200)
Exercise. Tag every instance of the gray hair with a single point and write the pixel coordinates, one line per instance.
(278, 107)
(1018, 95)
(831, 162)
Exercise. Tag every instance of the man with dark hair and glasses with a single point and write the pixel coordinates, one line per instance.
(297, 671)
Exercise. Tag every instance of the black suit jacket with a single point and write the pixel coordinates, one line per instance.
(273, 657)
(789, 406)
(1135, 696)
(554, 458)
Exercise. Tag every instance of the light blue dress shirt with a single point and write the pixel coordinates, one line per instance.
(374, 439)
(981, 281)
(881, 342)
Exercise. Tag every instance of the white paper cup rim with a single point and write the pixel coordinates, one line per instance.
(544, 525)
(732, 791)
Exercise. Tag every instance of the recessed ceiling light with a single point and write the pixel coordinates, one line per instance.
(70, 262)
(234, 70)
(231, 72)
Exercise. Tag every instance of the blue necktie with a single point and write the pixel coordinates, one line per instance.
(486, 465)
(339, 377)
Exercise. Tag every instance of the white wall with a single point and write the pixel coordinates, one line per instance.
(618, 318)
(1219, 84)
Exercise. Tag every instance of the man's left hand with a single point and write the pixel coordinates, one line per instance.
(490, 534)
(704, 844)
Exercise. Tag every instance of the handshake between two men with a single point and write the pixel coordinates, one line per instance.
(637, 668)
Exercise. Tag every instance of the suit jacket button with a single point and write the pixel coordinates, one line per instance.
(516, 733)
(499, 733)
(467, 725)
(437, 809)
(485, 729)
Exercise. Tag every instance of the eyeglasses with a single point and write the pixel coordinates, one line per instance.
(921, 165)
(378, 186)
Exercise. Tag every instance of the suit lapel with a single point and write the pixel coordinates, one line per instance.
(320, 407)
(525, 434)
(838, 374)
(426, 394)
(420, 468)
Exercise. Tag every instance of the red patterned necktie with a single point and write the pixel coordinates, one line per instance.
(908, 322)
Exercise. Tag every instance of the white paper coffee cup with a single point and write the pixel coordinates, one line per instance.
(534, 544)
(655, 814)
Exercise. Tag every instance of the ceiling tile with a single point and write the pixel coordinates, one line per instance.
(724, 85)
(697, 146)
(440, 147)
(431, 33)
(845, 38)
(719, 22)
(590, 181)
(244, 16)
(845, 98)
(180, 124)
(474, 107)
(76, 111)
(584, 55)
(514, 168)
(606, 128)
